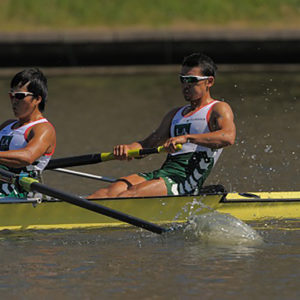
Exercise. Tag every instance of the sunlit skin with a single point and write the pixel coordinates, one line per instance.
(41, 138)
(25, 109)
(223, 134)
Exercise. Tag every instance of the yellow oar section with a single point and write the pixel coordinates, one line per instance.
(87, 159)
(138, 152)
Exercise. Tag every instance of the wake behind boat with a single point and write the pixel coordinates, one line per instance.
(49, 213)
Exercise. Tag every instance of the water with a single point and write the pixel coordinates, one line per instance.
(93, 113)
(130, 264)
(221, 229)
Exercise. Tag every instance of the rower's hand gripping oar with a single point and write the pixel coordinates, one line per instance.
(31, 184)
(95, 158)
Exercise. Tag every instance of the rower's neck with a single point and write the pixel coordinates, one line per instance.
(31, 118)
(198, 103)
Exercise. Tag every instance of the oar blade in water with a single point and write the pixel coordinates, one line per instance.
(214, 227)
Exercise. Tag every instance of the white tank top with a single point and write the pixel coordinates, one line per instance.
(15, 139)
(194, 123)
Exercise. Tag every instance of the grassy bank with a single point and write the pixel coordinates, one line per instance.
(25, 15)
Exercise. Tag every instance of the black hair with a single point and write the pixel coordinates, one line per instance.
(37, 84)
(201, 60)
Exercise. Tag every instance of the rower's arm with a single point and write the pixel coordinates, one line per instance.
(156, 138)
(42, 141)
(223, 130)
(161, 134)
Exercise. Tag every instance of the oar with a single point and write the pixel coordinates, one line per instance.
(31, 184)
(86, 175)
(87, 159)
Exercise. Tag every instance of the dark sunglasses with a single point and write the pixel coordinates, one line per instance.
(192, 78)
(19, 95)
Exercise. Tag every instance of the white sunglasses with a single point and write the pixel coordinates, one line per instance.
(19, 95)
(192, 78)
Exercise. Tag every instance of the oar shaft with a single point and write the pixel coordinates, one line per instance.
(96, 207)
(87, 159)
(85, 175)
(74, 161)
(33, 185)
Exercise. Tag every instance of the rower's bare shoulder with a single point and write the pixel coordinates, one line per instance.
(221, 108)
(43, 126)
(41, 129)
(221, 105)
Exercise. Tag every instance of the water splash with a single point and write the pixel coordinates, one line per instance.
(194, 207)
(217, 228)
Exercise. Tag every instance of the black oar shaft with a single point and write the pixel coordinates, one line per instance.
(74, 161)
(35, 186)
(31, 184)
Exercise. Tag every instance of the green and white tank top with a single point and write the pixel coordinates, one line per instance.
(196, 122)
(15, 139)
(193, 163)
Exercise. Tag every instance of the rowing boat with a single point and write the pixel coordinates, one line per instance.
(40, 212)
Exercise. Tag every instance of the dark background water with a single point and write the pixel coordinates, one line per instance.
(92, 113)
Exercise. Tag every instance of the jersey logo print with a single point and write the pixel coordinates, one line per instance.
(182, 129)
(5, 142)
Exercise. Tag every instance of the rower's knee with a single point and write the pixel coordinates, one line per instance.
(102, 193)
(112, 191)
(132, 192)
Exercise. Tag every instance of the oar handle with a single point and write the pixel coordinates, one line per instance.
(138, 152)
(88, 159)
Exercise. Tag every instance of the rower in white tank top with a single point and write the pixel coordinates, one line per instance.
(15, 139)
(196, 122)
(185, 171)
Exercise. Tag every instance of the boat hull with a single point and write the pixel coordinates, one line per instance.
(22, 214)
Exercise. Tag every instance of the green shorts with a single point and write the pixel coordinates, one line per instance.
(184, 174)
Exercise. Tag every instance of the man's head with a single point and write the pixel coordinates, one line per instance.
(35, 82)
(197, 77)
(201, 60)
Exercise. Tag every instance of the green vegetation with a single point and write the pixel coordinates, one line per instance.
(23, 15)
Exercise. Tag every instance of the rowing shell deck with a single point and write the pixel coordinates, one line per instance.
(23, 214)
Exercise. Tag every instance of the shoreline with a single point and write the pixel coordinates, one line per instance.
(147, 47)
(146, 70)
(102, 35)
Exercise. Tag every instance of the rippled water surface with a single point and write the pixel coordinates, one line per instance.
(118, 264)
(93, 113)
